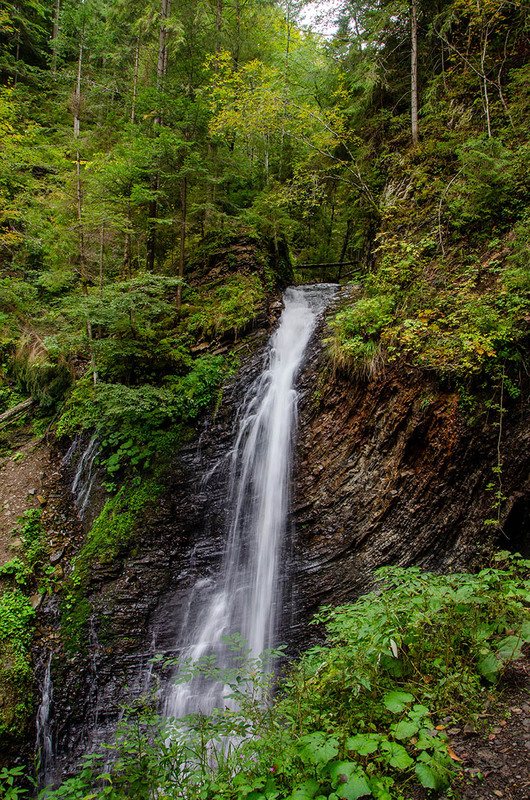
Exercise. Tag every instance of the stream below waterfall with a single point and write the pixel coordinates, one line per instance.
(245, 596)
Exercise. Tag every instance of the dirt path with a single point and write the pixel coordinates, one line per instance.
(21, 488)
(496, 753)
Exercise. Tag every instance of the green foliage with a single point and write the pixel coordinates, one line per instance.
(355, 717)
(492, 187)
(16, 673)
(356, 334)
(8, 783)
(112, 536)
(456, 330)
(28, 572)
(138, 423)
(216, 308)
(31, 569)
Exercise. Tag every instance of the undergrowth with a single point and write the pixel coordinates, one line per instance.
(29, 572)
(363, 715)
(113, 535)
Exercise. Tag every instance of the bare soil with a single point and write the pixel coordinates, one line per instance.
(22, 477)
(492, 753)
(496, 753)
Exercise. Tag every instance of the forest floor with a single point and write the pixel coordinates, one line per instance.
(495, 751)
(22, 473)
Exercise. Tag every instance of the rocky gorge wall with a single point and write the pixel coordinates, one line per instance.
(392, 471)
(387, 471)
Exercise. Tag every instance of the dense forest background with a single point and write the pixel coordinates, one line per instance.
(166, 166)
(135, 134)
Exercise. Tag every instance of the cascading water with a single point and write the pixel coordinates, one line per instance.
(246, 596)
(44, 745)
(85, 473)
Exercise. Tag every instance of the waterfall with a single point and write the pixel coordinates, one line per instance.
(85, 472)
(246, 596)
(44, 746)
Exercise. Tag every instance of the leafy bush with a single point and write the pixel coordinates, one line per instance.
(134, 422)
(356, 717)
(355, 344)
(218, 308)
(492, 187)
(16, 674)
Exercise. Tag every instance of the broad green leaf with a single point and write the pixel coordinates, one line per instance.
(405, 729)
(489, 667)
(318, 748)
(349, 780)
(363, 743)
(425, 775)
(510, 648)
(418, 711)
(397, 701)
(524, 631)
(431, 773)
(306, 790)
(379, 790)
(397, 755)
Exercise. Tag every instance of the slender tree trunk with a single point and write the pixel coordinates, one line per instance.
(135, 81)
(184, 208)
(55, 35)
(237, 45)
(346, 241)
(126, 264)
(414, 71)
(151, 233)
(101, 253)
(285, 71)
(155, 181)
(77, 96)
(79, 186)
(79, 191)
(92, 354)
(485, 82)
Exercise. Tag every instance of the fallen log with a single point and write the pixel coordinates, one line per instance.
(16, 410)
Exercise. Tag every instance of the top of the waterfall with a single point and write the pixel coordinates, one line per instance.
(316, 295)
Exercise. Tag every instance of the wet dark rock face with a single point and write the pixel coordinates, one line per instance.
(390, 472)
(387, 472)
(138, 602)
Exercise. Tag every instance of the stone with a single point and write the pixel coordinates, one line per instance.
(36, 600)
(56, 555)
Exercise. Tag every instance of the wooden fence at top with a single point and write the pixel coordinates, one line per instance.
(337, 268)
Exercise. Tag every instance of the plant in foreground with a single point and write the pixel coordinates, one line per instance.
(359, 716)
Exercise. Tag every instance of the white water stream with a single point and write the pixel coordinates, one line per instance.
(44, 744)
(246, 596)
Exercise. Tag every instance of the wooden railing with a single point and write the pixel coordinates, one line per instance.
(338, 266)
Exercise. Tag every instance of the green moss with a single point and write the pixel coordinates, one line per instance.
(113, 535)
(16, 673)
(219, 308)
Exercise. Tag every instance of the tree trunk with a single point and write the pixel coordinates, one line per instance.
(15, 410)
(92, 355)
(184, 208)
(135, 82)
(82, 259)
(101, 253)
(414, 71)
(126, 264)
(77, 96)
(55, 35)
(285, 72)
(161, 70)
